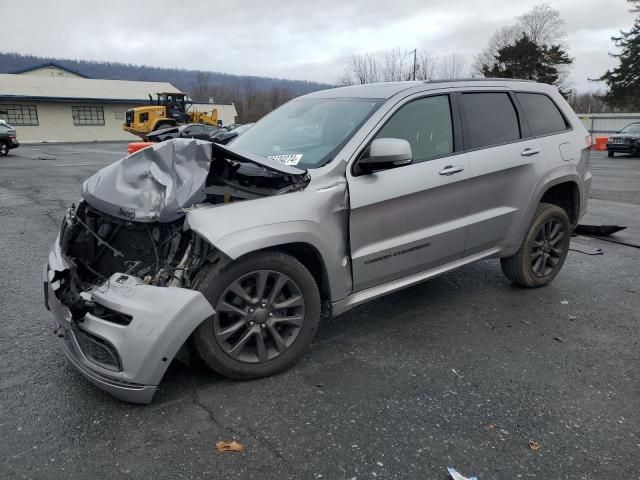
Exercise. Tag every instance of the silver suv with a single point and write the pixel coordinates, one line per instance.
(234, 253)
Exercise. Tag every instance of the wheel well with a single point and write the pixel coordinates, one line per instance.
(567, 196)
(310, 258)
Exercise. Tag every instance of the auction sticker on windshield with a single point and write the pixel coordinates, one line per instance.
(289, 159)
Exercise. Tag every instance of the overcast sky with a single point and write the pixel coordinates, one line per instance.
(299, 39)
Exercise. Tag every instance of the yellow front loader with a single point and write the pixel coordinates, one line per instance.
(170, 109)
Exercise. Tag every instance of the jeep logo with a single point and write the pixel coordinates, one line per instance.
(126, 213)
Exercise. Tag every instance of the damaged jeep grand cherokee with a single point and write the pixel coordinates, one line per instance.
(338, 197)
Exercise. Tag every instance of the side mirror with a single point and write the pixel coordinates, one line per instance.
(386, 153)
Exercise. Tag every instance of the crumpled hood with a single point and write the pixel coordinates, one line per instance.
(152, 184)
(157, 182)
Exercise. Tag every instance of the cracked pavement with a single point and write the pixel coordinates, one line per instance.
(463, 370)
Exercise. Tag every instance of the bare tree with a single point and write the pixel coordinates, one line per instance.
(361, 69)
(588, 102)
(397, 65)
(452, 66)
(543, 25)
(427, 64)
(201, 90)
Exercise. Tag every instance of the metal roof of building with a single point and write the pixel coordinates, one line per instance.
(56, 89)
(48, 65)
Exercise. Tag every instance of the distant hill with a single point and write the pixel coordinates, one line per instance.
(185, 80)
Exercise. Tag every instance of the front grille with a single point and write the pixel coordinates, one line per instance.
(136, 245)
(618, 141)
(98, 351)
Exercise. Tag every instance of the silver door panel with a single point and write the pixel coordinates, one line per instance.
(406, 220)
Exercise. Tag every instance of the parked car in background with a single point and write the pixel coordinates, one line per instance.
(626, 140)
(224, 136)
(8, 138)
(189, 130)
(336, 198)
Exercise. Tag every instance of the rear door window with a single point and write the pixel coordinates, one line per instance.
(426, 124)
(542, 114)
(490, 119)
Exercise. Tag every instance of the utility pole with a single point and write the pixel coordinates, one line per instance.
(415, 54)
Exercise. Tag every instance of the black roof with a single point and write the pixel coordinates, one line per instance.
(49, 64)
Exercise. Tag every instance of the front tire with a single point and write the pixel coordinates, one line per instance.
(543, 250)
(4, 149)
(267, 312)
(609, 154)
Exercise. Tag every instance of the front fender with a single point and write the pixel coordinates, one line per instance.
(316, 218)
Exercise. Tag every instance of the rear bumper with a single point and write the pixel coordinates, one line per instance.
(162, 318)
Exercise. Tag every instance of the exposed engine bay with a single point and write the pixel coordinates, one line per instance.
(132, 216)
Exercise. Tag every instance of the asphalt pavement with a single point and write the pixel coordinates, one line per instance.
(464, 370)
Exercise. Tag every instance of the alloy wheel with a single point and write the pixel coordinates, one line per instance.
(547, 248)
(259, 316)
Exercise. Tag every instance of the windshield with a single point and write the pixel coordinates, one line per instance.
(307, 133)
(632, 128)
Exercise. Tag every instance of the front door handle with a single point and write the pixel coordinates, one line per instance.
(527, 152)
(451, 169)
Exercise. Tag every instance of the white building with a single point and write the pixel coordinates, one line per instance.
(50, 103)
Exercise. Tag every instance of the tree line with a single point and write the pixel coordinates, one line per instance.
(533, 48)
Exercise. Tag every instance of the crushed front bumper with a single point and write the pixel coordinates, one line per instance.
(128, 361)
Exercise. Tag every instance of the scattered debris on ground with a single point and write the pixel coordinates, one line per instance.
(233, 446)
(559, 339)
(457, 476)
(533, 445)
(587, 250)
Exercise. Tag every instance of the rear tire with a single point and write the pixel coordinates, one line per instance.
(543, 250)
(267, 312)
(609, 154)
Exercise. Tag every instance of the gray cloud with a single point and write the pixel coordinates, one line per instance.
(300, 39)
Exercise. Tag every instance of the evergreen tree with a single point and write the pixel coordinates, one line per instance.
(527, 60)
(624, 80)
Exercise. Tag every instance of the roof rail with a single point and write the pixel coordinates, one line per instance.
(483, 79)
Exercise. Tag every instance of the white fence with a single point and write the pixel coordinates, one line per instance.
(600, 124)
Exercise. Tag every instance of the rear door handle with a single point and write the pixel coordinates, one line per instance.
(527, 152)
(451, 169)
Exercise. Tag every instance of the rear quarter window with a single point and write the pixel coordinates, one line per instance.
(490, 119)
(543, 116)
